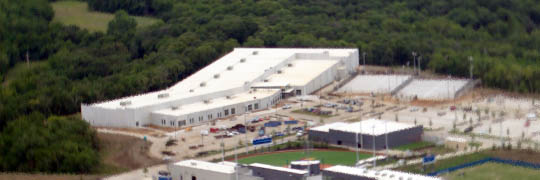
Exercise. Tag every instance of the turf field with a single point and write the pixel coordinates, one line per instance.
(77, 13)
(494, 171)
(327, 157)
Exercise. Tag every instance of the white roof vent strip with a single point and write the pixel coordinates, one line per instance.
(163, 95)
(125, 103)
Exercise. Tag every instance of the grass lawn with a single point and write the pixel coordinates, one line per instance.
(77, 13)
(494, 171)
(446, 163)
(327, 157)
(414, 146)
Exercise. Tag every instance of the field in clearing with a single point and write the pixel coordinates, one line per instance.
(326, 157)
(494, 171)
(77, 13)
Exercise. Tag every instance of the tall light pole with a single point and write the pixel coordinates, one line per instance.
(386, 136)
(374, 155)
(419, 64)
(414, 62)
(471, 64)
(246, 134)
(364, 55)
(358, 132)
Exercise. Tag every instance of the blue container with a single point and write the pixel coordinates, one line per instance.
(291, 122)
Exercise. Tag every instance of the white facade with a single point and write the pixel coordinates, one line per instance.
(227, 85)
(201, 170)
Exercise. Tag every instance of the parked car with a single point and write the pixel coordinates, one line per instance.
(297, 128)
(414, 109)
(287, 106)
(300, 133)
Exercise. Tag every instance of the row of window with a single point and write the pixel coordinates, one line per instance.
(225, 113)
(200, 118)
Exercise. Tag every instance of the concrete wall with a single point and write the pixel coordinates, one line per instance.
(270, 174)
(313, 168)
(327, 175)
(395, 139)
(186, 173)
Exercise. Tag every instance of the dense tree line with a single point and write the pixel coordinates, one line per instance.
(76, 66)
(35, 143)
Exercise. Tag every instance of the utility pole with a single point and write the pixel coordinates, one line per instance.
(222, 148)
(236, 160)
(414, 62)
(364, 55)
(471, 68)
(27, 59)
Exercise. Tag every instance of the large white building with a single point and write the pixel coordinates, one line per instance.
(246, 79)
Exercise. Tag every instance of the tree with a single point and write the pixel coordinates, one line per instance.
(122, 27)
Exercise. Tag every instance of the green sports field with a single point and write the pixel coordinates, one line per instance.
(327, 157)
(77, 13)
(494, 171)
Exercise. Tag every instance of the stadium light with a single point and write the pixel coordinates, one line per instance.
(471, 68)
(364, 55)
(414, 62)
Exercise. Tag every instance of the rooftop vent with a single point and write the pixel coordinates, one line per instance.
(255, 52)
(325, 52)
(207, 101)
(243, 60)
(279, 71)
(228, 97)
(266, 80)
(290, 65)
(164, 95)
(193, 164)
(216, 76)
(203, 84)
(174, 107)
(191, 90)
(246, 83)
(125, 103)
(229, 68)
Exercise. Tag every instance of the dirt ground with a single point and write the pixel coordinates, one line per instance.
(520, 155)
(126, 152)
(119, 153)
(20, 176)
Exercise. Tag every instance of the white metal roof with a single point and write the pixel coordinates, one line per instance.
(305, 162)
(217, 103)
(302, 71)
(277, 168)
(228, 168)
(379, 175)
(369, 127)
(232, 71)
(326, 127)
